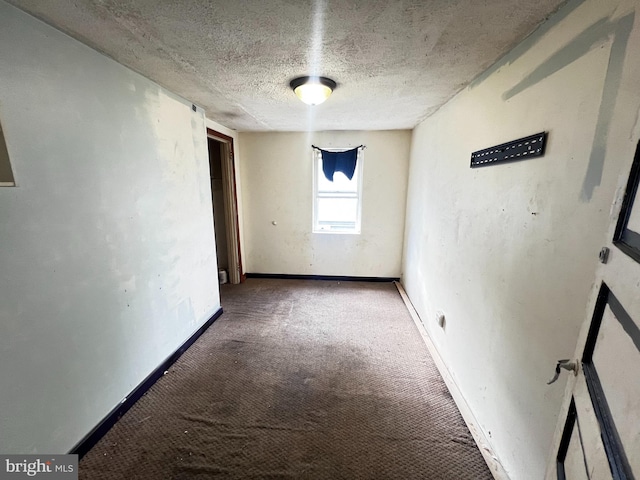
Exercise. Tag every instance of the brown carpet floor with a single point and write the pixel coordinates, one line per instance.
(297, 379)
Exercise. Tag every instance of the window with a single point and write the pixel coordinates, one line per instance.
(337, 204)
(6, 175)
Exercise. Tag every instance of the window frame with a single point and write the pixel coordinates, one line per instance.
(358, 176)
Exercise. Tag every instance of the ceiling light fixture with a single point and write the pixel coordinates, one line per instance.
(313, 90)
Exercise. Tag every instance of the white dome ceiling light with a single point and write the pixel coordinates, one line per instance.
(313, 90)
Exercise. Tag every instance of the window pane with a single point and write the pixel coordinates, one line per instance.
(340, 181)
(336, 204)
(339, 212)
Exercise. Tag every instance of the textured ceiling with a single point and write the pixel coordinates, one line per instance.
(395, 61)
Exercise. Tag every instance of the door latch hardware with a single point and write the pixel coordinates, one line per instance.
(566, 364)
(604, 255)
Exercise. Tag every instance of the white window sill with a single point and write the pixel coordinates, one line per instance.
(335, 232)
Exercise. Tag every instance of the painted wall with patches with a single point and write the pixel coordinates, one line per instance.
(277, 180)
(107, 253)
(508, 252)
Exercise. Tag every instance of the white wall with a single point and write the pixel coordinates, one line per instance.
(107, 256)
(277, 186)
(509, 251)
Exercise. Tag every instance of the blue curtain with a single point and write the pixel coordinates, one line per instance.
(344, 162)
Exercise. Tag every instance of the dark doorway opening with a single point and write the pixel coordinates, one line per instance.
(225, 207)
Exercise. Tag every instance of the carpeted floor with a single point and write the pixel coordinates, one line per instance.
(297, 379)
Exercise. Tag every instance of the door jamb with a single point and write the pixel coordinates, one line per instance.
(236, 271)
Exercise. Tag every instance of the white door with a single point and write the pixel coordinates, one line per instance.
(601, 421)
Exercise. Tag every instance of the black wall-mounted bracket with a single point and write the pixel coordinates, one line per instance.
(520, 149)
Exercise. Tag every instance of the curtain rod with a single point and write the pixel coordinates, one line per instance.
(354, 148)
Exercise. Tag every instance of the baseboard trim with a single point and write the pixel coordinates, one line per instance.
(340, 278)
(87, 443)
(492, 460)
